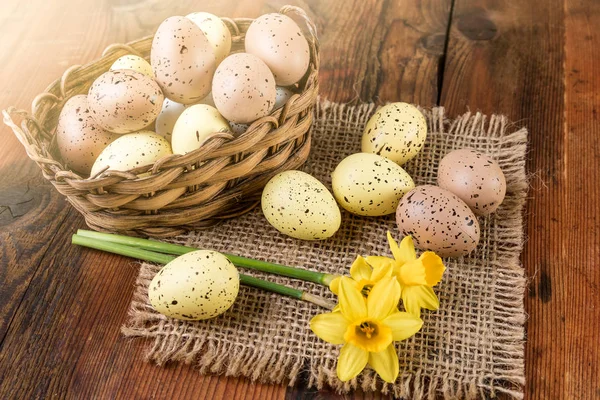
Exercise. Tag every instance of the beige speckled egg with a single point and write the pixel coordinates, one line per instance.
(243, 88)
(124, 101)
(238, 129)
(370, 185)
(183, 60)
(475, 178)
(196, 124)
(283, 94)
(165, 121)
(132, 151)
(215, 31)
(135, 63)
(300, 206)
(80, 140)
(438, 220)
(195, 286)
(278, 41)
(396, 131)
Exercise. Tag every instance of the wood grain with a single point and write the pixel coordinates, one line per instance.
(538, 65)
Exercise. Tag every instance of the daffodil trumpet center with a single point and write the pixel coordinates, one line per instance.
(364, 287)
(370, 335)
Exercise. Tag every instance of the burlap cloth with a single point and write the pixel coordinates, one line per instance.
(472, 347)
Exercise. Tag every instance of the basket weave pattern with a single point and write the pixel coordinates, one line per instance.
(220, 180)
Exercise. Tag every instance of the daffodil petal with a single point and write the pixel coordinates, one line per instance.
(330, 327)
(351, 362)
(360, 269)
(379, 261)
(386, 364)
(395, 249)
(334, 285)
(384, 298)
(352, 302)
(434, 267)
(417, 297)
(403, 325)
(407, 249)
(412, 273)
(383, 271)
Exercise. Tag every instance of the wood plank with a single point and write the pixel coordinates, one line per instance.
(512, 58)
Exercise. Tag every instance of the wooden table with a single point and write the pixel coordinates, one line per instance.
(538, 62)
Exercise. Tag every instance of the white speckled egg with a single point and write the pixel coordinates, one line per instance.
(243, 88)
(238, 129)
(196, 124)
(370, 185)
(208, 100)
(396, 131)
(278, 41)
(80, 140)
(124, 101)
(438, 220)
(195, 286)
(132, 151)
(183, 60)
(135, 63)
(283, 94)
(475, 178)
(300, 206)
(215, 31)
(165, 121)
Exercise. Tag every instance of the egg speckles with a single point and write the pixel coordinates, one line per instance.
(183, 60)
(370, 185)
(243, 88)
(194, 126)
(80, 140)
(473, 177)
(300, 206)
(195, 286)
(124, 101)
(396, 131)
(278, 41)
(438, 220)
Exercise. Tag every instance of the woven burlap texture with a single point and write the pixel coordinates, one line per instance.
(472, 347)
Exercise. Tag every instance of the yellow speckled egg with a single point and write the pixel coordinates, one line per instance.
(195, 286)
(396, 131)
(215, 31)
(196, 124)
(135, 63)
(300, 206)
(370, 185)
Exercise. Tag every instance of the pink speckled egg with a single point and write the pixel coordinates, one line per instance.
(243, 88)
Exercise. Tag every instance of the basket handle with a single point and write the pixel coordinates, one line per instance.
(312, 29)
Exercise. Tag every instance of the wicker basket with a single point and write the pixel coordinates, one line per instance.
(221, 180)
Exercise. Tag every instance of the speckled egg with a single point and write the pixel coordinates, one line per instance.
(215, 31)
(165, 121)
(80, 140)
(208, 100)
(300, 206)
(132, 151)
(243, 88)
(473, 177)
(238, 129)
(183, 60)
(438, 220)
(283, 94)
(194, 126)
(195, 286)
(370, 185)
(396, 131)
(124, 101)
(278, 41)
(135, 63)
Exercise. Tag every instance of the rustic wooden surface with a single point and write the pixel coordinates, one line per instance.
(536, 61)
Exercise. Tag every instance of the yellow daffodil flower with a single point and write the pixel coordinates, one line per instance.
(367, 327)
(363, 275)
(416, 276)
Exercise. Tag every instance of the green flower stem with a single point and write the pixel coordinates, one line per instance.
(244, 262)
(147, 255)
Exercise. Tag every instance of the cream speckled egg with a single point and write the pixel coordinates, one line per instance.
(80, 140)
(124, 101)
(215, 31)
(438, 220)
(243, 88)
(165, 121)
(300, 206)
(475, 178)
(278, 41)
(132, 151)
(183, 60)
(196, 124)
(135, 63)
(195, 286)
(396, 131)
(370, 185)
